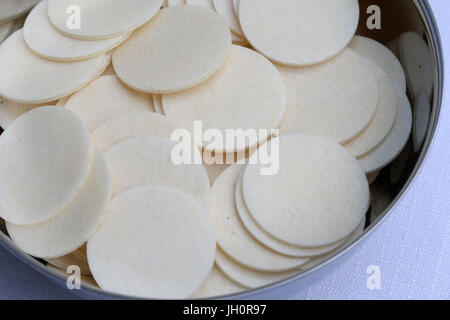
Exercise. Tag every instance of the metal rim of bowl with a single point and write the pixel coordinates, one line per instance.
(437, 54)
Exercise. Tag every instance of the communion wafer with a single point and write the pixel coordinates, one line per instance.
(299, 32)
(27, 85)
(232, 236)
(248, 94)
(148, 160)
(248, 277)
(157, 243)
(12, 9)
(269, 241)
(131, 125)
(106, 98)
(382, 121)
(44, 40)
(75, 225)
(382, 57)
(318, 196)
(226, 10)
(395, 141)
(100, 19)
(336, 99)
(217, 284)
(44, 160)
(181, 47)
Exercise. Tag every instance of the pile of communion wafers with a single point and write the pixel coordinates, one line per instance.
(92, 92)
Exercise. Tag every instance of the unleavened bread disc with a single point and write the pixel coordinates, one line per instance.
(336, 99)
(44, 40)
(382, 57)
(131, 125)
(105, 98)
(318, 196)
(102, 19)
(246, 93)
(395, 141)
(44, 160)
(73, 227)
(266, 239)
(382, 121)
(28, 78)
(248, 277)
(158, 242)
(226, 10)
(148, 160)
(181, 47)
(232, 236)
(299, 32)
(217, 284)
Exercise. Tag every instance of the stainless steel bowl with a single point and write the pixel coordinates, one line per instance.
(408, 27)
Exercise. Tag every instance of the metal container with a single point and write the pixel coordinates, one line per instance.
(409, 29)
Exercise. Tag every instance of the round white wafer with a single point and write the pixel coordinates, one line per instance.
(148, 160)
(10, 111)
(395, 141)
(12, 9)
(62, 263)
(248, 277)
(382, 57)
(318, 196)
(27, 78)
(217, 284)
(75, 225)
(352, 238)
(204, 3)
(232, 236)
(44, 160)
(226, 10)
(299, 32)
(382, 121)
(246, 93)
(157, 243)
(105, 98)
(44, 40)
(336, 99)
(100, 19)
(131, 125)
(269, 241)
(181, 47)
